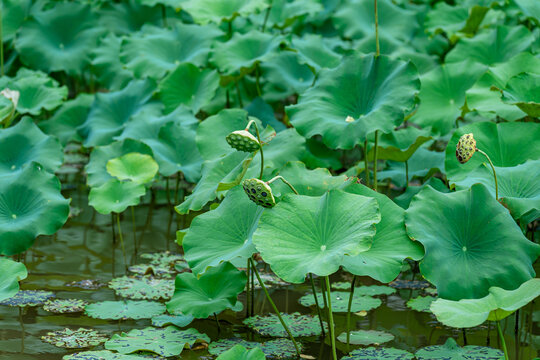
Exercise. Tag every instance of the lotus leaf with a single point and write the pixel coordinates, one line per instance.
(243, 51)
(129, 16)
(145, 288)
(374, 290)
(284, 12)
(115, 196)
(155, 51)
(12, 272)
(521, 90)
(299, 325)
(230, 227)
(372, 353)
(214, 291)
(110, 112)
(239, 352)
(455, 21)
(136, 167)
(216, 11)
(189, 86)
(30, 205)
(59, 39)
(443, 95)
(123, 310)
(28, 298)
(340, 301)
(461, 243)
(100, 355)
(285, 76)
(497, 305)
(305, 234)
(176, 320)
(421, 303)
(87, 284)
(390, 246)
(159, 271)
(169, 341)
(366, 337)
(379, 91)
(400, 145)
(14, 13)
(110, 72)
(37, 91)
(409, 284)
(530, 9)
(422, 164)
(273, 349)
(314, 52)
(75, 339)
(64, 306)
(451, 351)
(165, 258)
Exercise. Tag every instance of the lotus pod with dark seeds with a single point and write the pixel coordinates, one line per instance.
(466, 147)
(259, 192)
(243, 140)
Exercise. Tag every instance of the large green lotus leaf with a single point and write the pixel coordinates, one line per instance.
(304, 234)
(285, 12)
(101, 355)
(391, 245)
(128, 17)
(223, 234)
(143, 288)
(275, 349)
(65, 121)
(492, 46)
(285, 76)
(366, 337)
(24, 143)
(31, 204)
(378, 353)
(502, 142)
(340, 301)
(314, 52)
(59, 38)
(299, 325)
(189, 86)
(404, 199)
(497, 305)
(169, 341)
(442, 95)
(155, 51)
(12, 272)
(522, 91)
(243, 51)
(459, 232)
(215, 11)
(374, 91)
(319, 155)
(355, 20)
(452, 351)
(487, 102)
(400, 145)
(111, 111)
(136, 167)
(14, 13)
(530, 8)
(110, 72)
(115, 196)
(96, 167)
(38, 91)
(239, 352)
(115, 310)
(176, 320)
(212, 292)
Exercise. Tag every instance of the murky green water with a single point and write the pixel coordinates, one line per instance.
(82, 250)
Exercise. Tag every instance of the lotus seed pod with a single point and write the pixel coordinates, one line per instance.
(259, 192)
(466, 147)
(243, 140)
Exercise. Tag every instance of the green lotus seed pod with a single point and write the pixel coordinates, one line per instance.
(243, 140)
(259, 192)
(466, 147)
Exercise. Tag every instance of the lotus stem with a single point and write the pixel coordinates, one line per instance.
(240, 102)
(247, 288)
(217, 322)
(317, 303)
(164, 15)
(274, 306)
(257, 80)
(229, 28)
(488, 337)
(503, 343)
(516, 336)
(260, 143)
(464, 332)
(375, 157)
(323, 295)
(1, 39)
(366, 167)
(407, 173)
(266, 16)
(349, 305)
(285, 181)
(113, 232)
(377, 47)
(253, 294)
(494, 173)
(121, 239)
(135, 230)
(330, 318)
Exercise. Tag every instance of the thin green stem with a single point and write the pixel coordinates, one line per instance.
(252, 312)
(516, 336)
(260, 149)
(240, 102)
(366, 166)
(503, 343)
(258, 80)
(330, 318)
(247, 287)
(375, 159)
(377, 47)
(494, 174)
(407, 172)
(266, 16)
(274, 306)
(134, 229)
(351, 296)
(1, 39)
(217, 322)
(121, 239)
(323, 293)
(317, 303)
(229, 29)
(285, 181)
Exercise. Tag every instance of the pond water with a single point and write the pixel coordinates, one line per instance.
(82, 250)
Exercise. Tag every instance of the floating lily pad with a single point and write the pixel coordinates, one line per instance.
(101, 355)
(12, 272)
(300, 325)
(340, 301)
(136, 167)
(89, 284)
(169, 341)
(64, 306)
(158, 271)
(366, 337)
(28, 298)
(144, 288)
(165, 258)
(115, 196)
(176, 320)
(75, 339)
(372, 353)
(124, 310)
(273, 349)
(421, 303)
(238, 352)
(452, 351)
(409, 284)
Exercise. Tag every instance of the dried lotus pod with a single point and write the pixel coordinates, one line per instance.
(243, 140)
(466, 147)
(259, 192)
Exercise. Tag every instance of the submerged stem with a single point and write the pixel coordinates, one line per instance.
(503, 343)
(351, 295)
(494, 174)
(317, 303)
(330, 318)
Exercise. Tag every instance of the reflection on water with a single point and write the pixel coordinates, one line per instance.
(83, 250)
